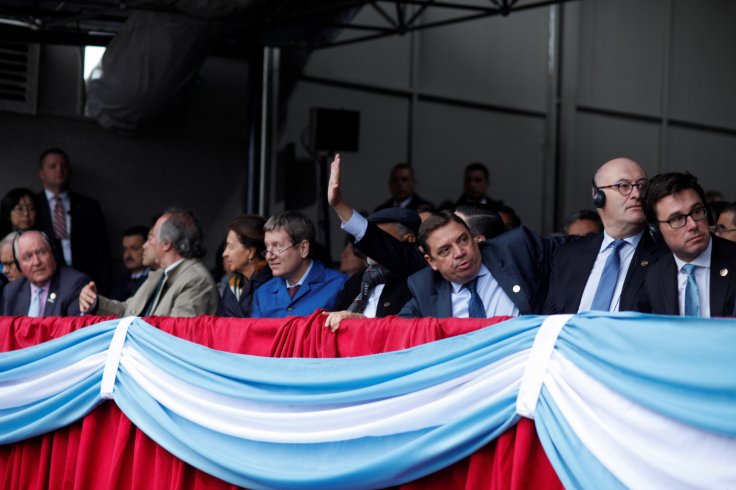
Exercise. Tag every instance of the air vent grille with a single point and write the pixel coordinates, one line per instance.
(18, 77)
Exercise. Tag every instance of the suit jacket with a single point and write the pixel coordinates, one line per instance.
(574, 261)
(189, 291)
(61, 300)
(493, 204)
(414, 203)
(519, 260)
(661, 283)
(231, 306)
(90, 245)
(319, 290)
(394, 296)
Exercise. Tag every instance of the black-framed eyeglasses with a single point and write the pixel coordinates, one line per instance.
(624, 188)
(722, 230)
(277, 252)
(8, 264)
(679, 221)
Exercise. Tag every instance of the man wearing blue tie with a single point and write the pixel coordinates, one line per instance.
(45, 288)
(697, 277)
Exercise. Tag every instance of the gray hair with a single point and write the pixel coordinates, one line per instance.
(8, 239)
(182, 230)
(296, 225)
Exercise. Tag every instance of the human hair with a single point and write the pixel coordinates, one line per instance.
(514, 218)
(477, 166)
(403, 166)
(730, 208)
(16, 239)
(488, 225)
(434, 222)
(583, 214)
(53, 151)
(8, 239)
(182, 230)
(295, 224)
(663, 185)
(10, 200)
(249, 230)
(426, 207)
(138, 230)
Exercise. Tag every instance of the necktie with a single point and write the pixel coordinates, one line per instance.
(293, 290)
(692, 294)
(373, 275)
(607, 284)
(59, 219)
(475, 305)
(35, 308)
(153, 299)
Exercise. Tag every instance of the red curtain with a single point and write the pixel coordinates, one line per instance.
(105, 450)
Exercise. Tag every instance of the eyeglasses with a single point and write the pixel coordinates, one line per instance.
(624, 188)
(24, 209)
(273, 251)
(8, 264)
(679, 221)
(722, 230)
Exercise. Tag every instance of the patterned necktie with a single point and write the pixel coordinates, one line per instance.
(692, 294)
(153, 299)
(373, 275)
(59, 219)
(607, 284)
(35, 308)
(475, 305)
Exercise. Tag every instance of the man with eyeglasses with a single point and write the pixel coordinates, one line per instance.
(726, 226)
(401, 185)
(301, 284)
(697, 277)
(45, 289)
(606, 271)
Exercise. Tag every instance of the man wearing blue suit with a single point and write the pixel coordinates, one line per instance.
(504, 276)
(45, 289)
(300, 284)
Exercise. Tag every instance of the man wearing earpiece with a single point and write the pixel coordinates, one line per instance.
(697, 277)
(606, 271)
(45, 289)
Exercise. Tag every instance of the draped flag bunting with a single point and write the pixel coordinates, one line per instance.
(623, 400)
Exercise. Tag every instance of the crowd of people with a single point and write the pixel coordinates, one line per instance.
(653, 245)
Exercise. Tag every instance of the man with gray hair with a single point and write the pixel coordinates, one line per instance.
(10, 269)
(182, 285)
(300, 284)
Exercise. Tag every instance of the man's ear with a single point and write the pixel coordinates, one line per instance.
(304, 249)
(167, 245)
(430, 261)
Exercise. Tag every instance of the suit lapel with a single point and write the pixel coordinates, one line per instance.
(52, 307)
(668, 285)
(579, 280)
(722, 269)
(24, 298)
(645, 255)
(442, 297)
(509, 282)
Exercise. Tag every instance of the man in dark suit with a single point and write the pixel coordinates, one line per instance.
(606, 271)
(374, 292)
(45, 289)
(401, 184)
(475, 187)
(514, 266)
(74, 220)
(697, 277)
(136, 272)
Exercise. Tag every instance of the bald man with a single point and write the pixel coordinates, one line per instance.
(605, 271)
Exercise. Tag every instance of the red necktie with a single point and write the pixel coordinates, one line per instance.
(293, 290)
(59, 220)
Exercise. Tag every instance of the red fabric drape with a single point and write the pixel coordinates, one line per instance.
(105, 450)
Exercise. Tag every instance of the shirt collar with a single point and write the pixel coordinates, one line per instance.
(304, 276)
(456, 286)
(43, 288)
(50, 196)
(172, 266)
(140, 274)
(632, 240)
(702, 260)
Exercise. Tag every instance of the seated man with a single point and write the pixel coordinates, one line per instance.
(518, 260)
(697, 277)
(401, 185)
(300, 284)
(136, 272)
(45, 289)
(374, 291)
(10, 270)
(181, 287)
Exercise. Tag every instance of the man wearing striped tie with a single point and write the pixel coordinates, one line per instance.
(45, 288)
(698, 277)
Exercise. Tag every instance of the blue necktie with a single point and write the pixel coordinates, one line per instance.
(607, 284)
(475, 305)
(692, 295)
(35, 308)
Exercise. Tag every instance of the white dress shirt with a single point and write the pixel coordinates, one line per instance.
(495, 300)
(66, 244)
(702, 278)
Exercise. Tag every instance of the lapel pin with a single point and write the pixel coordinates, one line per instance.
(724, 272)
(644, 263)
(516, 288)
(386, 304)
(52, 296)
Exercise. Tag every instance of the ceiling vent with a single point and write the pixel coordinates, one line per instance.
(18, 77)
